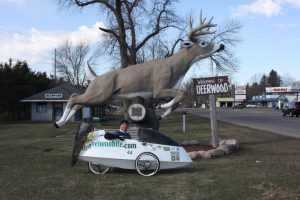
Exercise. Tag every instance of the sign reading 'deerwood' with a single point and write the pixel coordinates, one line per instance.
(211, 85)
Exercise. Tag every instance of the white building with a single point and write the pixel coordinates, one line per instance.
(277, 97)
(50, 104)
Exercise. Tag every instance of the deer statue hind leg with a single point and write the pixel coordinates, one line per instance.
(76, 101)
(96, 94)
(71, 113)
(66, 112)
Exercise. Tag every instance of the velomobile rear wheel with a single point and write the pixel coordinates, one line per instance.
(147, 164)
(98, 169)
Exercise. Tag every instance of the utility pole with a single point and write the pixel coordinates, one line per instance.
(55, 51)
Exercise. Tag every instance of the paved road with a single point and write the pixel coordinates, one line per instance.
(261, 119)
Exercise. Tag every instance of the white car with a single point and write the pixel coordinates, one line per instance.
(253, 106)
(147, 154)
(250, 106)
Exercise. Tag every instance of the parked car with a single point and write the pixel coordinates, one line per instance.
(253, 106)
(250, 106)
(239, 106)
(291, 111)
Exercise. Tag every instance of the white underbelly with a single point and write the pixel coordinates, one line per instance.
(145, 95)
(178, 83)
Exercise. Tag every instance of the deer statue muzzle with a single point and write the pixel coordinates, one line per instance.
(156, 79)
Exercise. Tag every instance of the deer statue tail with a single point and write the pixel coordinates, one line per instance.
(90, 74)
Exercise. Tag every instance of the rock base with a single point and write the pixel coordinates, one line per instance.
(225, 147)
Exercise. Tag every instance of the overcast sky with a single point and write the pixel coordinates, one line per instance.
(31, 29)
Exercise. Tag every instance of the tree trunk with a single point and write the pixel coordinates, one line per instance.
(122, 35)
(132, 56)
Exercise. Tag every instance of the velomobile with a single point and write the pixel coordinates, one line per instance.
(147, 154)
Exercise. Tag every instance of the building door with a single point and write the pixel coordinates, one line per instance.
(229, 104)
(58, 109)
(222, 104)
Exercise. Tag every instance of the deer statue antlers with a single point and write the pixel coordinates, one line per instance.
(201, 29)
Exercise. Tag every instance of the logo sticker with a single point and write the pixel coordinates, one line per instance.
(166, 148)
(175, 155)
(109, 144)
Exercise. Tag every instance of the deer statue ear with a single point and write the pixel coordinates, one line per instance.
(186, 44)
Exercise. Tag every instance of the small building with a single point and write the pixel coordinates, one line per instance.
(224, 102)
(50, 104)
(239, 94)
(268, 101)
(277, 97)
(285, 96)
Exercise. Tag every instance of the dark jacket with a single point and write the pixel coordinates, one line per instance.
(117, 135)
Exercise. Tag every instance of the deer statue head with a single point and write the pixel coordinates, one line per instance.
(198, 46)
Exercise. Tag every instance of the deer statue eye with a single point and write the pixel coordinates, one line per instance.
(203, 43)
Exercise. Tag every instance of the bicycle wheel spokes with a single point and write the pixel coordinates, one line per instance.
(98, 169)
(147, 164)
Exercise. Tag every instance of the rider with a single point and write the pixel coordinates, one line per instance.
(121, 133)
(123, 129)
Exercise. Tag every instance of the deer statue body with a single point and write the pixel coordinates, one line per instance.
(156, 79)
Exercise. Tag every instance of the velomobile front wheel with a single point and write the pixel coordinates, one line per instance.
(98, 169)
(147, 164)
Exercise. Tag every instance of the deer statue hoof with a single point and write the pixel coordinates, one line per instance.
(56, 126)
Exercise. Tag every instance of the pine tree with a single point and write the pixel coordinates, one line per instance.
(273, 79)
(18, 81)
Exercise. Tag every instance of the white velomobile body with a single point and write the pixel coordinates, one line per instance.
(147, 154)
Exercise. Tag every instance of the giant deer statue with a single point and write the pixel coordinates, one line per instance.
(156, 79)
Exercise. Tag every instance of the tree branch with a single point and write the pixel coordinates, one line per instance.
(110, 31)
(157, 28)
(105, 2)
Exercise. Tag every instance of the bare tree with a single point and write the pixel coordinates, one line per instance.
(157, 48)
(131, 24)
(296, 84)
(287, 80)
(135, 29)
(71, 58)
(229, 35)
(189, 89)
(256, 78)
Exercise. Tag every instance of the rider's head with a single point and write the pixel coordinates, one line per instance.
(124, 125)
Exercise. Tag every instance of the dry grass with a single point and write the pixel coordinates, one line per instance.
(34, 164)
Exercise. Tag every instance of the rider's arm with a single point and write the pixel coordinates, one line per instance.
(110, 136)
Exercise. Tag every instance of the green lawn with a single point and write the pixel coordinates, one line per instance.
(34, 164)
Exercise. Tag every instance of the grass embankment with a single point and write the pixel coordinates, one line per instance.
(34, 164)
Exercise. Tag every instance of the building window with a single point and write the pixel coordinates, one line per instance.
(41, 107)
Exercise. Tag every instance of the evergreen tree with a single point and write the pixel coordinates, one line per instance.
(263, 81)
(18, 81)
(253, 90)
(274, 79)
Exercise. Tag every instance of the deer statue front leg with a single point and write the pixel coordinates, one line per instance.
(171, 105)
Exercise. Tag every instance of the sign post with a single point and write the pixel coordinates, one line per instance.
(211, 86)
(213, 121)
(183, 122)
